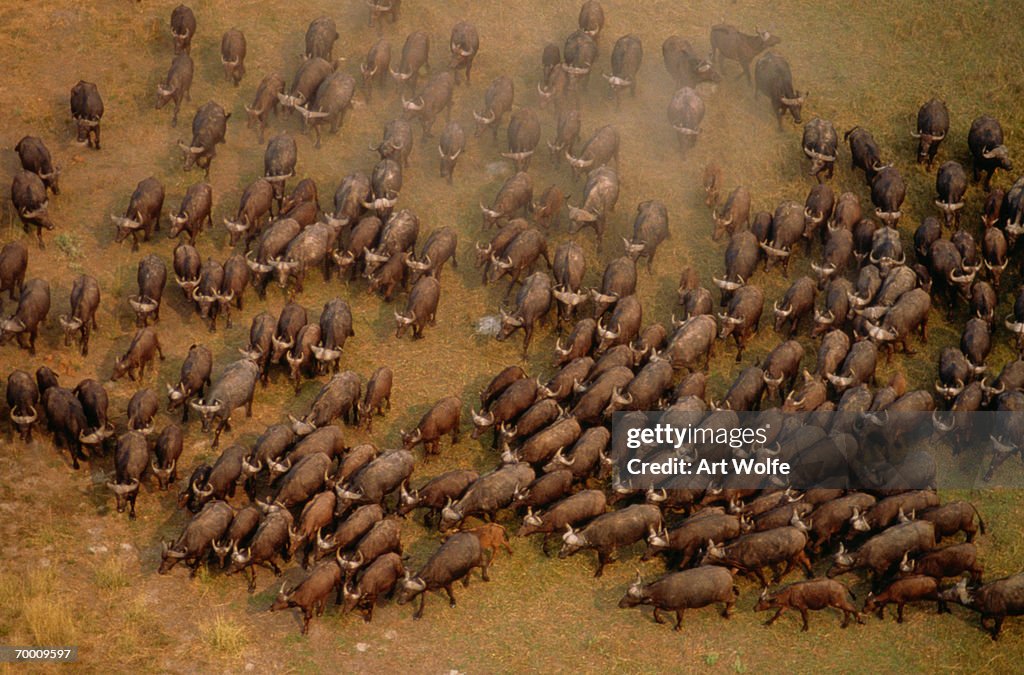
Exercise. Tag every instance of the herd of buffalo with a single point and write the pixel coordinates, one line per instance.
(308, 493)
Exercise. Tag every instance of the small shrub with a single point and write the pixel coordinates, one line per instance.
(224, 635)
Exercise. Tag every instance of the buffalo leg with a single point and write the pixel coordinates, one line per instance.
(217, 432)
(306, 616)
(996, 627)
(899, 612)
(527, 334)
(451, 596)
(786, 570)
(657, 616)
(803, 615)
(776, 617)
(806, 564)
(679, 620)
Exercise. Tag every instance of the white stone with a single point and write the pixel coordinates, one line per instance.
(488, 325)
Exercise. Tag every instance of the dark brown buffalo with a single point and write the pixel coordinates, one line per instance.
(232, 55)
(265, 101)
(33, 306)
(321, 35)
(35, 158)
(375, 66)
(619, 281)
(815, 594)
(453, 561)
(28, 195)
(686, 67)
(627, 55)
(533, 303)
(463, 45)
(85, 299)
(685, 114)
(87, 111)
(183, 28)
(679, 591)
(208, 129)
(415, 54)
(611, 531)
(902, 591)
(523, 137)
(774, 79)
(330, 103)
(130, 460)
(310, 596)
(985, 141)
(441, 419)
(932, 127)
(196, 207)
(176, 86)
(23, 400)
(727, 42)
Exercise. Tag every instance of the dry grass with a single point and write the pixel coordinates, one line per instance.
(41, 608)
(223, 635)
(10, 601)
(68, 246)
(111, 574)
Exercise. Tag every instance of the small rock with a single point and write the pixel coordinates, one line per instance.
(98, 550)
(390, 634)
(488, 325)
(362, 646)
(249, 667)
(44, 562)
(126, 547)
(497, 168)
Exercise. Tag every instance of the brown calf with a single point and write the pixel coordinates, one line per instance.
(804, 595)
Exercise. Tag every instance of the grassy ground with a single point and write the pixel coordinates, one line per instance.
(76, 572)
